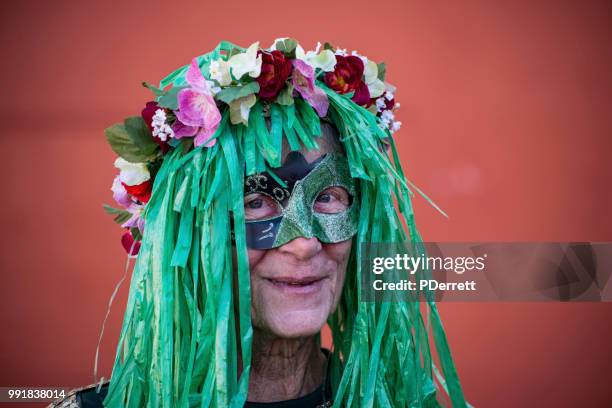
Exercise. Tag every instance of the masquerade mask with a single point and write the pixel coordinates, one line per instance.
(316, 200)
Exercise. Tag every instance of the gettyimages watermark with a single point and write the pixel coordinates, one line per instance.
(487, 271)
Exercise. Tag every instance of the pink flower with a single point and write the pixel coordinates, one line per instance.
(181, 130)
(136, 220)
(303, 82)
(120, 194)
(198, 112)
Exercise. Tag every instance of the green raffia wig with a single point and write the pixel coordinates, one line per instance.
(186, 338)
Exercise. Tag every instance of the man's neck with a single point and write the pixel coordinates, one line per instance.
(284, 369)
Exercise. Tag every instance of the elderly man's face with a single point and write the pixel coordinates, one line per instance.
(297, 285)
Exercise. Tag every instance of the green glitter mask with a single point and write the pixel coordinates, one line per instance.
(296, 201)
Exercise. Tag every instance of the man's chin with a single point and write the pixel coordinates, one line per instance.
(302, 323)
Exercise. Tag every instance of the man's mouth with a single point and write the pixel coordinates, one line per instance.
(297, 285)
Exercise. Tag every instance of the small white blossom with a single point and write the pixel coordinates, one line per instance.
(395, 126)
(389, 95)
(387, 116)
(161, 129)
(387, 121)
(380, 104)
(341, 51)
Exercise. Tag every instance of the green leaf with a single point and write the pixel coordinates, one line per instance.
(169, 99)
(136, 234)
(158, 92)
(139, 133)
(328, 46)
(122, 144)
(285, 97)
(111, 210)
(234, 51)
(382, 71)
(287, 47)
(121, 216)
(186, 144)
(229, 94)
(132, 140)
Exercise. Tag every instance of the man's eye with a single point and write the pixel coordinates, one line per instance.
(256, 203)
(332, 200)
(258, 206)
(324, 198)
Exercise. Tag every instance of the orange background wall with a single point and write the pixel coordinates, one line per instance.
(506, 109)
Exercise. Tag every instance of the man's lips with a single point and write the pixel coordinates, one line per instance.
(297, 285)
(291, 280)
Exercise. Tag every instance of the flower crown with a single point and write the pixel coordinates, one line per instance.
(188, 113)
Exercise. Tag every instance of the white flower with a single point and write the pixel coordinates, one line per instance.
(132, 174)
(341, 51)
(380, 104)
(375, 85)
(324, 60)
(389, 95)
(220, 71)
(240, 109)
(161, 129)
(246, 63)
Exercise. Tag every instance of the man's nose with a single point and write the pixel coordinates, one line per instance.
(302, 248)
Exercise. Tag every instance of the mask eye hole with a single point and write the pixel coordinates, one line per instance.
(259, 206)
(332, 200)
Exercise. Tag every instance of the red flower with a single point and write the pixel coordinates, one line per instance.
(148, 112)
(362, 94)
(140, 191)
(127, 240)
(275, 70)
(348, 77)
